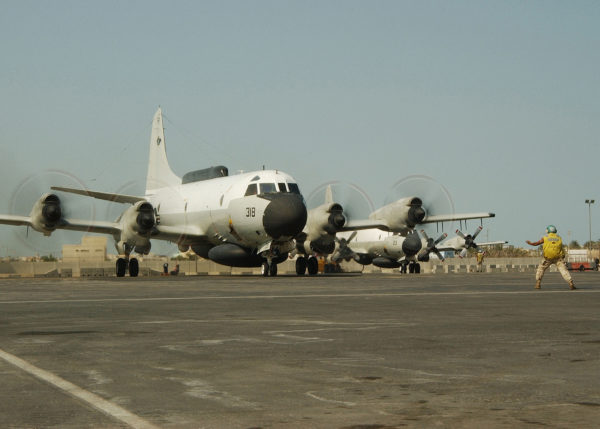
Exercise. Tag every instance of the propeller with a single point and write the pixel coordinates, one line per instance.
(344, 251)
(25, 195)
(355, 203)
(430, 247)
(469, 240)
(434, 197)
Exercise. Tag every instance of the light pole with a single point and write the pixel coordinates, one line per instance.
(589, 203)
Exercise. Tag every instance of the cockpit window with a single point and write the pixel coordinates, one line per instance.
(267, 188)
(252, 190)
(282, 187)
(294, 188)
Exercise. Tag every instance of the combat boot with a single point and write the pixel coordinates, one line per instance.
(572, 285)
(538, 284)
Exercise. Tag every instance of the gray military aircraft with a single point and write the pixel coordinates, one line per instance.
(245, 220)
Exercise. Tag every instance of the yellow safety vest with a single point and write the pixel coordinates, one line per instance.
(552, 247)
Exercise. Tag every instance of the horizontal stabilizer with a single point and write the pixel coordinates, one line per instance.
(115, 198)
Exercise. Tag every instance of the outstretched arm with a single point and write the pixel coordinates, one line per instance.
(537, 243)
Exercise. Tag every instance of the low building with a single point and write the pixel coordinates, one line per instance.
(91, 249)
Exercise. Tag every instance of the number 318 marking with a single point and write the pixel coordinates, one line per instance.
(250, 212)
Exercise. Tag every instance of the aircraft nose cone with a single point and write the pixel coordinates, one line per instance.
(284, 216)
(411, 244)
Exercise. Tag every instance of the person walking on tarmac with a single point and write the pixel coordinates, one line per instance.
(553, 253)
(480, 257)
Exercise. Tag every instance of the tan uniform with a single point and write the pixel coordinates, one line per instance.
(558, 259)
(480, 262)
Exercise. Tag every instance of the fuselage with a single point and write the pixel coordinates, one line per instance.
(249, 209)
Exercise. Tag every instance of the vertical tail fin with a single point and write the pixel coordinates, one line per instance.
(160, 174)
(328, 195)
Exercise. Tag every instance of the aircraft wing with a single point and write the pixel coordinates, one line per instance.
(454, 217)
(68, 224)
(101, 227)
(355, 225)
(443, 247)
(15, 220)
(107, 196)
(491, 243)
(186, 235)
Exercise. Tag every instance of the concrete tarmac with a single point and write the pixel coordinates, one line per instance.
(347, 351)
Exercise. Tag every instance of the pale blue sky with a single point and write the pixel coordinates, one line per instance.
(496, 100)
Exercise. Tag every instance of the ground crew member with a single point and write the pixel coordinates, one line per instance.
(480, 256)
(553, 253)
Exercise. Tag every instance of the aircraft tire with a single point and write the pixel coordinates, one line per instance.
(273, 269)
(134, 267)
(411, 268)
(417, 268)
(301, 266)
(264, 269)
(313, 266)
(121, 267)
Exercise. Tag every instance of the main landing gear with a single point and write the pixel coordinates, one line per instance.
(267, 269)
(303, 264)
(410, 267)
(124, 263)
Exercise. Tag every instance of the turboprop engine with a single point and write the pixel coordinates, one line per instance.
(402, 215)
(46, 214)
(322, 224)
(137, 224)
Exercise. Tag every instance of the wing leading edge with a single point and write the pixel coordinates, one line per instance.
(107, 196)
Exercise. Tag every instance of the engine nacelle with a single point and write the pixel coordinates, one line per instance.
(46, 214)
(325, 220)
(137, 224)
(402, 215)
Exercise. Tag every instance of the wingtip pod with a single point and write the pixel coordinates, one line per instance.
(160, 174)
